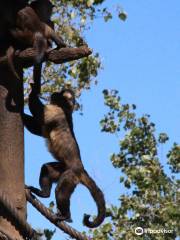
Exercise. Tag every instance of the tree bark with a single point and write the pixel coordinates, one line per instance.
(26, 57)
(11, 148)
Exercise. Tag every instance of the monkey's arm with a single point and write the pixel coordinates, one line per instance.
(58, 40)
(31, 124)
(36, 107)
(37, 77)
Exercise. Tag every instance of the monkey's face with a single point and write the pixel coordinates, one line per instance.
(65, 99)
(69, 99)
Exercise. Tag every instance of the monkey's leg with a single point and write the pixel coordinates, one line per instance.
(50, 173)
(64, 190)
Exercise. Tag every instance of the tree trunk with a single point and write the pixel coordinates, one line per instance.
(11, 147)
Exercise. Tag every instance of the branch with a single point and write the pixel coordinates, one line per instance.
(52, 218)
(26, 58)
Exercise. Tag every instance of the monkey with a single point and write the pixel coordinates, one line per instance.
(29, 25)
(30, 31)
(54, 122)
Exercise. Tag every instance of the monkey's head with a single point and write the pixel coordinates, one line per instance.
(64, 99)
(43, 9)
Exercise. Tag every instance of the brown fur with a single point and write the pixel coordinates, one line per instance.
(55, 121)
(31, 31)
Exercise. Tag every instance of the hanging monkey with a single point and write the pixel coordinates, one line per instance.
(54, 122)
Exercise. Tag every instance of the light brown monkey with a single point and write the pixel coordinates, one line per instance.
(54, 122)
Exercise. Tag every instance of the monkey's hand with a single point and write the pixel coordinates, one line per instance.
(34, 89)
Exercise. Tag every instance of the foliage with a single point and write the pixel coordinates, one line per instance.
(151, 201)
(174, 158)
(72, 19)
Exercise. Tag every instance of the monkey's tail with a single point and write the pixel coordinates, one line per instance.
(10, 57)
(40, 46)
(98, 197)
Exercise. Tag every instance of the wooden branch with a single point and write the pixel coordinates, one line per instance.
(26, 58)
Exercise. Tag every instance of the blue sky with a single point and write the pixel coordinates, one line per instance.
(141, 58)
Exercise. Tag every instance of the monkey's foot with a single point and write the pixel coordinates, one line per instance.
(60, 217)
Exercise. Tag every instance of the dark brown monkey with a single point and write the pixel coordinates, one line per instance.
(32, 20)
(54, 122)
(30, 31)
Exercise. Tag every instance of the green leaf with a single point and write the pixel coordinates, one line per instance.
(123, 15)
